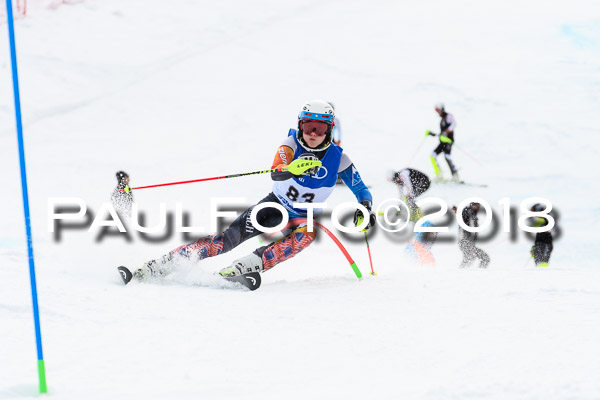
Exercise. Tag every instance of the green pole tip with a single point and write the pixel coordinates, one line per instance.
(356, 270)
(42, 376)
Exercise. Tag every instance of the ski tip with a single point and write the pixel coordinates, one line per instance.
(251, 280)
(125, 273)
(473, 184)
(450, 182)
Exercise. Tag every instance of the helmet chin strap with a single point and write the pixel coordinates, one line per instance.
(322, 147)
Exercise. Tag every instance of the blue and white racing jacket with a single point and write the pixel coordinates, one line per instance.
(318, 187)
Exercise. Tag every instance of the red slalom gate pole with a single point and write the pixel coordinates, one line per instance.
(335, 240)
(343, 249)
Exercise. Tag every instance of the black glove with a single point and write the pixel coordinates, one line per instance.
(359, 217)
(310, 157)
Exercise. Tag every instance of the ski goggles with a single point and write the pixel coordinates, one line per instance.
(318, 128)
(316, 116)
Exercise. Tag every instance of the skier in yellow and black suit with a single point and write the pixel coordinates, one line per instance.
(447, 125)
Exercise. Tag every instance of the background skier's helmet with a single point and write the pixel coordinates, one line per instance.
(475, 206)
(122, 178)
(317, 111)
(538, 208)
(439, 107)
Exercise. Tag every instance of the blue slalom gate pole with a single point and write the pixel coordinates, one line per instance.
(36, 311)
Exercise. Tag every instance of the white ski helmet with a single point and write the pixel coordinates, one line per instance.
(317, 110)
(439, 106)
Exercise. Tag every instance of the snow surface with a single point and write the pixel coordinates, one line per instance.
(190, 89)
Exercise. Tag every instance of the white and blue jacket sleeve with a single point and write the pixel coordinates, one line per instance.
(350, 176)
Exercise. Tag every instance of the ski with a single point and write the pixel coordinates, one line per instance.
(449, 182)
(472, 184)
(251, 280)
(125, 273)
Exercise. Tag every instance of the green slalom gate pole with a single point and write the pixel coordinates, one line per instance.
(36, 315)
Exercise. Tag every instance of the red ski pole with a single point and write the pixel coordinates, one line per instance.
(127, 189)
(370, 260)
(468, 155)
(417, 151)
(296, 167)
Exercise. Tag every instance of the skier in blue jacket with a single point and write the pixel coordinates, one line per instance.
(311, 141)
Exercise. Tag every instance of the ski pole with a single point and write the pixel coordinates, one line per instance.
(127, 188)
(417, 151)
(468, 155)
(370, 260)
(296, 167)
(358, 222)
